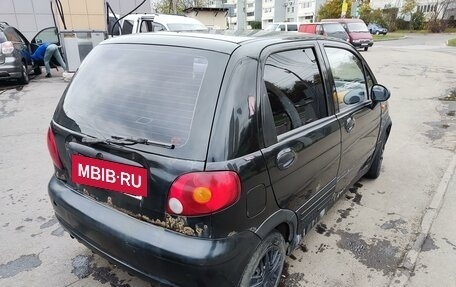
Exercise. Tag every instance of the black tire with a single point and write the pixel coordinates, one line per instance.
(24, 79)
(377, 33)
(266, 264)
(374, 170)
(37, 70)
(366, 48)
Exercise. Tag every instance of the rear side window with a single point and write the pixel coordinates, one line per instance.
(145, 91)
(2, 37)
(295, 89)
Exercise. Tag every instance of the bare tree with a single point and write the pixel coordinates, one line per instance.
(438, 14)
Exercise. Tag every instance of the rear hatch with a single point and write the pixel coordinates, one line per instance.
(133, 119)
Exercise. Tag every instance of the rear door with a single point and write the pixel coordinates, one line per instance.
(302, 135)
(359, 119)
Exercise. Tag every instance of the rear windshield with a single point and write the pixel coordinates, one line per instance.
(334, 28)
(146, 91)
(357, 27)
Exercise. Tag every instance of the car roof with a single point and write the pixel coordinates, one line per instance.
(164, 18)
(224, 43)
(321, 23)
(343, 20)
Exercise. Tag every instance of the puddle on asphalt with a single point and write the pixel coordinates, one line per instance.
(291, 280)
(429, 244)
(83, 267)
(22, 264)
(448, 121)
(399, 225)
(379, 255)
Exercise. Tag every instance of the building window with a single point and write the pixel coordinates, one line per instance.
(249, 14)
(292, 9)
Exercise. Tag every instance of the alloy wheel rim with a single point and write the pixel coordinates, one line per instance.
(267, 271)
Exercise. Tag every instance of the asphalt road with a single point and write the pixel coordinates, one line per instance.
(360, 242)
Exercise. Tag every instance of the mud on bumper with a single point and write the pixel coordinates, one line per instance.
(153, 252)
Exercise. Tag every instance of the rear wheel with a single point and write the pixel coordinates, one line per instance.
(265, 266)
(24, 79)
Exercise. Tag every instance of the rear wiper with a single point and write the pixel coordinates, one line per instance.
(145, 141)
(121, 140)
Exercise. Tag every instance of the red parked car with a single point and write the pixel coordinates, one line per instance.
(329, 29)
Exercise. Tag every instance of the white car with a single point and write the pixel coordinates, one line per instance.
(282, 26)
(141, 23)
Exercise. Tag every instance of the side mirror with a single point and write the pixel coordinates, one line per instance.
(380, 93)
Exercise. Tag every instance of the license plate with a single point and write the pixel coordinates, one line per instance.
(109, 175)
(364, 44)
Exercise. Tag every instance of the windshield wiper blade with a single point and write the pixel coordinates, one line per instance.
(93, 140)
(144, 141)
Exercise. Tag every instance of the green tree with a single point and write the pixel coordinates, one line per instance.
(333, 9)
(407, 10)
(365, 12)
(177, 6)
(417, 20)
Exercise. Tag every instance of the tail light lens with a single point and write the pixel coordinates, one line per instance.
(53, 149)
(7, 47)
(201, 193)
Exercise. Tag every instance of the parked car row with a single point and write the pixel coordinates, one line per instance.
(354, 31)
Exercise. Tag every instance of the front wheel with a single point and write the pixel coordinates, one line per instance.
(365, 48)
(374, 170)
(265, 266)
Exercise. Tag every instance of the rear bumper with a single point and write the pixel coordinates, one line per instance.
(10, 69)
(153, 252)
(363, 44)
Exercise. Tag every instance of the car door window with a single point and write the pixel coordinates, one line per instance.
(292, 27)
(295, 89)
(158, 27)
(281, 28)
(348, 74)
(127, 27)
(48, 35)
(146, 26)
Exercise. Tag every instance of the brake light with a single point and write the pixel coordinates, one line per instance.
(201, 193)
(52, 147)
(7, 47)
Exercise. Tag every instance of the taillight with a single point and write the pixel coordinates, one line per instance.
(7, 47)
(201, 193)
(53, 149)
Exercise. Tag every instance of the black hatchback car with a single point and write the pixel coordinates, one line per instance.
(202, 160)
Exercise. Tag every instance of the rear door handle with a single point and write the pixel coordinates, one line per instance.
(285, 158)
(349, 124)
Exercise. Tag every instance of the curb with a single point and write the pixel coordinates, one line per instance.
(407, 265)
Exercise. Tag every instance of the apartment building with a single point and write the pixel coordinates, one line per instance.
(426, 6)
